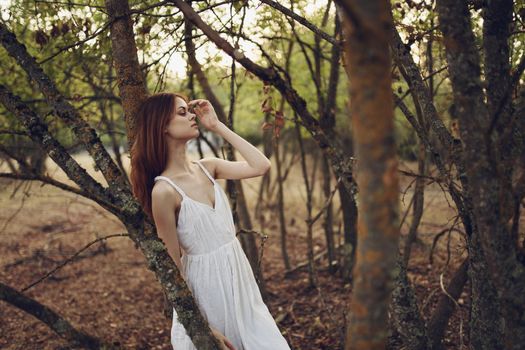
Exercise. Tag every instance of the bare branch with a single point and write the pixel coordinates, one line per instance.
(52, 319)
(301, 20)
(49, 180)
(70, 259)
(68, 114)
(39, 133)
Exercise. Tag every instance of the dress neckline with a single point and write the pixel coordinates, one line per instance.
(186, 197)
(214, 208)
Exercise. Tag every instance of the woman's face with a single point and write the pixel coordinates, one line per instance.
(182, 124)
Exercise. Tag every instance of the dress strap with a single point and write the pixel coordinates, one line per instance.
(205, 171)
(170, 181)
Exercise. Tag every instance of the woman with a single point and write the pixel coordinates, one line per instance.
(191, 211)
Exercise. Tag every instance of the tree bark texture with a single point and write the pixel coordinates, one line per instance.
(491, 199)
(405, 316)
(130, 80)
(366, 26)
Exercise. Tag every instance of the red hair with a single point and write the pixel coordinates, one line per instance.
(149, 152)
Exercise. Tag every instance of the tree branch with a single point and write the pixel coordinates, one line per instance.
(48, 180)
(38, 132)
(299, 19)
(52, 319)
(68, 114)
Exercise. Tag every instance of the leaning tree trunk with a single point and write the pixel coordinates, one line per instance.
(367, 62)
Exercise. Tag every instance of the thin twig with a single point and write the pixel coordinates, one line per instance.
(326, 205)
(68, 260)
(264, 237)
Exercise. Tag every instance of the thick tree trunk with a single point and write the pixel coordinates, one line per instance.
(491, 197)
(485, 313)
(132, 87)
(366, 29)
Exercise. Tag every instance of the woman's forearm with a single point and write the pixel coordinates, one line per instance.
(255, 158)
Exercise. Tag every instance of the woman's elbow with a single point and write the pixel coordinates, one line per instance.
(266, 168)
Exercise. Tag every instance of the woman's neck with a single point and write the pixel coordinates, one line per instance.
(178, 162)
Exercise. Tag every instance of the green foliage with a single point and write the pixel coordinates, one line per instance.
(82, 69)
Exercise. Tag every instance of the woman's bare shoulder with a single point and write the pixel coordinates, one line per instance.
(164, 193)
(210, 163)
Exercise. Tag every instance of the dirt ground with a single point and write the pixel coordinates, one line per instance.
(109, 292)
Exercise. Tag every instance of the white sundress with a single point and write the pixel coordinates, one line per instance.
(220, 277)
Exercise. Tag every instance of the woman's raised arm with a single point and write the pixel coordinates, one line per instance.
(256, 162)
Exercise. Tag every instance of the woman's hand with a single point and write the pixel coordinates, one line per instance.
(205, 113)
(225, 344)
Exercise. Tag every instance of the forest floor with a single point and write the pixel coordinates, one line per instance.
(110, 293)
